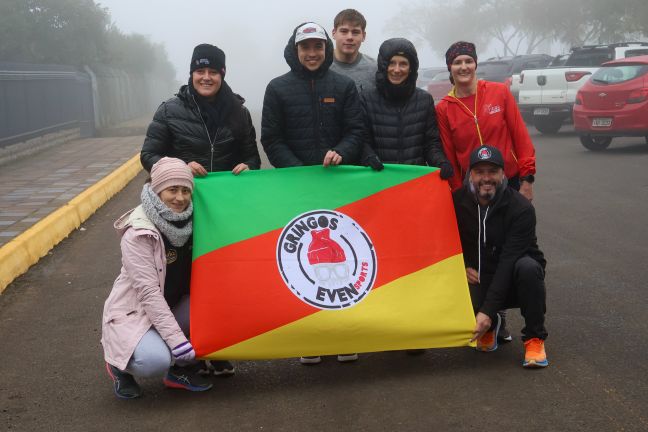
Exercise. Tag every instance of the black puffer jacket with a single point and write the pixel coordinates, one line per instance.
(401, 119)
(507, 231)
(178, 130)
(306, 114)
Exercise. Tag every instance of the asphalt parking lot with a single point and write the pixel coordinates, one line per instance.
(591, 225)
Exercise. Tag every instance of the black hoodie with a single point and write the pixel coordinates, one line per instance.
(492, 242)
(401, 119)
(306, 114)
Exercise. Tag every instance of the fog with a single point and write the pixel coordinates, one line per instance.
(253, 33)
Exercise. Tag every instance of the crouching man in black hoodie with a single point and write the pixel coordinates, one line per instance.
(504, 266)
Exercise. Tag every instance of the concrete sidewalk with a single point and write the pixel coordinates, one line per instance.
(35, 186)
(38, 192)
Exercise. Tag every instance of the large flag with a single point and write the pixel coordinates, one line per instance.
(315, 261)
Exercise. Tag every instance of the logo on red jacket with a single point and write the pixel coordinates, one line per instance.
(326, 259)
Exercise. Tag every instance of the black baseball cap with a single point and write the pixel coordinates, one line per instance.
(486, 153)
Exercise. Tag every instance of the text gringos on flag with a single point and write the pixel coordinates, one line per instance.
(313, 260)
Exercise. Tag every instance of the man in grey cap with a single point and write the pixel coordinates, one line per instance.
(504, 266)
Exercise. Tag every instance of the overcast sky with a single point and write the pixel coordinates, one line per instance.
(252, 33)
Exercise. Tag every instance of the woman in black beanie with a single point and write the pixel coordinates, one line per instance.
(205, 124)
(400, 117)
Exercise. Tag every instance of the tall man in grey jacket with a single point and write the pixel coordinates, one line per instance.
(349, 34)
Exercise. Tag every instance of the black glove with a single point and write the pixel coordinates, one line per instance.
(446, 170)
(374, 162)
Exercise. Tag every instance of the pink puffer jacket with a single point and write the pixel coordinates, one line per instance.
(136, 301)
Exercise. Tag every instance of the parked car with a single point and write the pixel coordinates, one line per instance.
(613, 103)
(439, 86)
(425, 75)
(501, 69)
(547, 95)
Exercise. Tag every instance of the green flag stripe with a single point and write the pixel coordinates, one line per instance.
(262, 201)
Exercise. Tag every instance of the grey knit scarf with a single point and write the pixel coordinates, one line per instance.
(177, 227)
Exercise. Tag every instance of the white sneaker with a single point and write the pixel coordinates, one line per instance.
(347, 357)
(310, 360)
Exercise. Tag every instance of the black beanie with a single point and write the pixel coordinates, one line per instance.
(210, 56)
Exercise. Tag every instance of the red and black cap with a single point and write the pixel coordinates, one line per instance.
(488, 154)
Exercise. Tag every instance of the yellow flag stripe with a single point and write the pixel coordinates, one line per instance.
(430, 308)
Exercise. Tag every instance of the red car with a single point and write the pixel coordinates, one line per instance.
(439, 86)
(613, 103)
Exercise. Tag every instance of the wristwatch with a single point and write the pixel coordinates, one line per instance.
(527, 178)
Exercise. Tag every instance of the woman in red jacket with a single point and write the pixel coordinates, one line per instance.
(476, 113)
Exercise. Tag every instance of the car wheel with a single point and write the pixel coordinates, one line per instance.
(547, 125)
(595, 143)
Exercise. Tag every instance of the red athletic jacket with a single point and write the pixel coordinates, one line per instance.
(501, 126)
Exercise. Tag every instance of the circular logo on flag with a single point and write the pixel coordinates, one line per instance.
(326, 259)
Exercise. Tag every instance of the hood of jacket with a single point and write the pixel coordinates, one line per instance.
(290, 54)
(135, 218)
(388, 49)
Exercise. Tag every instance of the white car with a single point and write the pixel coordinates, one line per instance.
(547, 96)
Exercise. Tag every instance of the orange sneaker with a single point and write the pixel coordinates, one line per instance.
(488, 342)
(535, 356)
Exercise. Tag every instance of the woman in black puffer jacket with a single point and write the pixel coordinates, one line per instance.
(205, 124)
(400, 118)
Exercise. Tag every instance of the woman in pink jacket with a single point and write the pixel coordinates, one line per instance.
(146, 316)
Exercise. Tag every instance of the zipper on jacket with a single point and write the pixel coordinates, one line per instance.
(400, 135)
(316, 114)
(479, 237)
(209, 138)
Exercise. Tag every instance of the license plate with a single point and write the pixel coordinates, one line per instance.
(602, 122)
(541, 111)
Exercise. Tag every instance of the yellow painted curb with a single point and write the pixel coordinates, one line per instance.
(26, 249)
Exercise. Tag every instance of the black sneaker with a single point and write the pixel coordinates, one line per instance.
(186, 378)
(222, 368)
(217, 367)
(504, 335)
(123, 383)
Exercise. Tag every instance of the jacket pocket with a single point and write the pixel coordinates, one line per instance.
(119, 316)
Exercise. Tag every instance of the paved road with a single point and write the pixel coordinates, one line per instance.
(592, 214)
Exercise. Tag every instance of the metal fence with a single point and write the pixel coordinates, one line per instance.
(39, 99)
(36, 100)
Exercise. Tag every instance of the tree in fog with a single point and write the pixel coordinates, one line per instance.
(442, 22)
(74, 32)
(136, 53)
(513, 27)
(52, 31)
